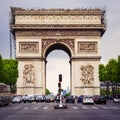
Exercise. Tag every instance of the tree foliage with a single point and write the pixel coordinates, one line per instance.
(10, 71)
(102, 72)
(111, 69)
(1, 66)
(110, 74)
(118, 69)
(47, 92)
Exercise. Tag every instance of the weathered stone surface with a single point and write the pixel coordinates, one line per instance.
(76, 31)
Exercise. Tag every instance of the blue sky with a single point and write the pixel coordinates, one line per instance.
(110, 42)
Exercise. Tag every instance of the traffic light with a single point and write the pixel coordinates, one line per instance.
(59, 84)
(60, 77)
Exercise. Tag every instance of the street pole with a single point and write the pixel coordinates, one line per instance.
(60, 106)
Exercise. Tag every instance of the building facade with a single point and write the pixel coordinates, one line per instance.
(75, 31)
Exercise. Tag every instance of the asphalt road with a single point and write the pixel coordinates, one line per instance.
(46, 111)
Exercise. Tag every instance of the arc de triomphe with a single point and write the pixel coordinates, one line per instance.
(75, 31)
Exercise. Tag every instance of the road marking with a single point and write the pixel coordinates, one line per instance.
(45, 108)
(114, 107)
(26, 108)
(94, 108)
(104, 107)
(75, 107)
(35, 108)
(85, 107)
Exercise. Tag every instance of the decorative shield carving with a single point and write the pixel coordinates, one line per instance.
(87, 74)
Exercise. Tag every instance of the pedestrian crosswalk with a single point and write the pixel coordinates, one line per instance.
(50, 106)
(96, 108)
(70, 107)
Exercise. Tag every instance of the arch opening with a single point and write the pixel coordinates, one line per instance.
(58, 46)
(58, 57)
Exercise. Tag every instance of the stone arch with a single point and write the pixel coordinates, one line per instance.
(59, 46)
(65, 45)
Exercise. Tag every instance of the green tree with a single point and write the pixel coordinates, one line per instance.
(10, 72)
(118, 69)
(1, 66)
(103, 78)
(47, 92)
(112, 73)
(102, 73)
(111, 68)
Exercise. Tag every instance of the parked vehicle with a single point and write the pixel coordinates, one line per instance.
(17, 99)
(88, 100)
(75, 96)
(70, 99)
(40, 98)
(100, 100)
(5, 94)
(116, 99)
(27, 99)
(95, 98)
(32, 97)
(49, 98)
(80, 99)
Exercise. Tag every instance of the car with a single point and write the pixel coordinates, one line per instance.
(75, 96)
(40, 98)
(49, 98)
(17, 100)
(27, 99)
(32, 97)
(88, 99)
(100, 100)
(80, 99)
(95, 98)
(70, 99)
(116, 99)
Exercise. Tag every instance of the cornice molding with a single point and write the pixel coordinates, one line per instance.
(26, 58)
(63, 32)
(20, 11)
(57, 26)
(89, 58)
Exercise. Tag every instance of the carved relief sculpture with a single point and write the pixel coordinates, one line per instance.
(87, 47)
(28, 74)
(47, 42)
(31, 47)
(87, 74)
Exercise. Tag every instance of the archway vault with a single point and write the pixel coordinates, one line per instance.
(49, 45)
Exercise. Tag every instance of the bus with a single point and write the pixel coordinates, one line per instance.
(5, 94)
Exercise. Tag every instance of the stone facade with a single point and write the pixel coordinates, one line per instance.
(76, 31)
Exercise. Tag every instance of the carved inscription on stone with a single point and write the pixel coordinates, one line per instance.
(88, 47)
(26, 47)
(28, 74)
(87, 74)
